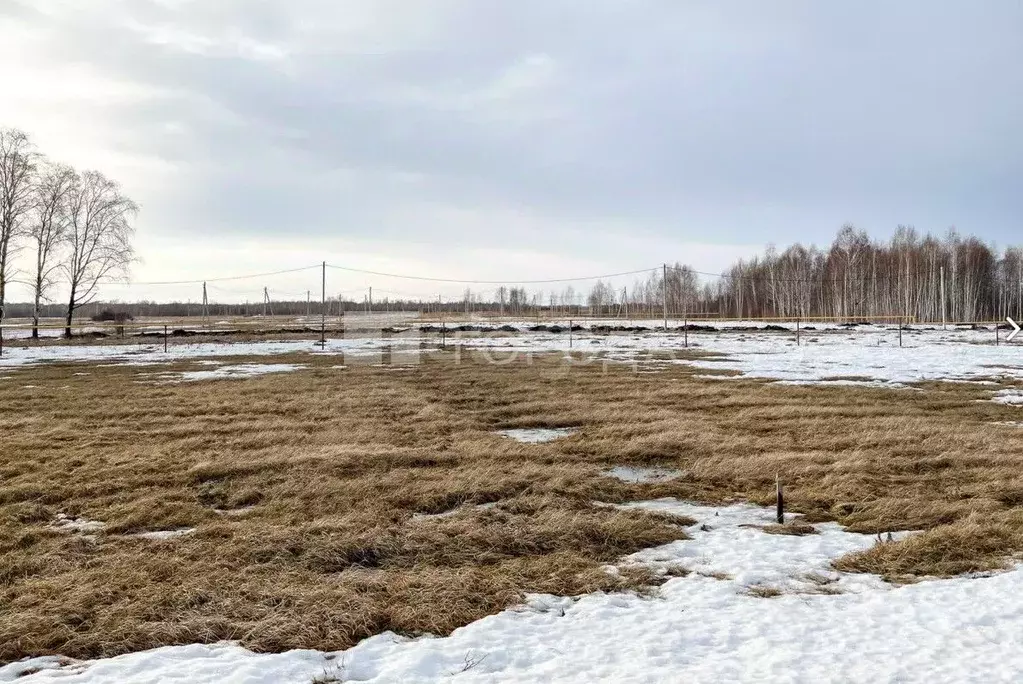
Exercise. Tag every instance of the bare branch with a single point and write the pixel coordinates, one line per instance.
(18, 160)
(97, 237)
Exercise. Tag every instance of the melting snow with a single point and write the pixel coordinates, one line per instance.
(702, 627)
(67, 523)
(1013, 397)
(537, 435)
(162, 535)
(869, 352)
(244, 370)
(634, 474)
(927, 354)
(152, 354)
(232, 512)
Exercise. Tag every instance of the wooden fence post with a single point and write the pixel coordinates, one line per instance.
(781, 500)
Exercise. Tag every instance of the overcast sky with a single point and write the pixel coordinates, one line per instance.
(493, 139)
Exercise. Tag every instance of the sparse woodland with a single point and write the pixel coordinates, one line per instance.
(75, 225)
(855, 277)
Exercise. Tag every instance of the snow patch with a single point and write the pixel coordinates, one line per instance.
(163, 535)
(1012, 397)
(234, 512)
(637, 475)
(66, 523)
(244, 370)
(537, 435)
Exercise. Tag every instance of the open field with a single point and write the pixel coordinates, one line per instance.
(18, 332)
(304, 505)
(305, 491)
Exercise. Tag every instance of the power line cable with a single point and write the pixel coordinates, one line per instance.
(486, 282)
(226, 278)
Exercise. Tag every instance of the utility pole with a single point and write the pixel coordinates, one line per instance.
(308, 302)
(664, 294)
(625, 300)
(205, 306)
(371, 299)
(266, 298)
(323, 308)
(943, 308)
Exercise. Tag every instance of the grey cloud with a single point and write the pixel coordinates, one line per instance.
(754, 121)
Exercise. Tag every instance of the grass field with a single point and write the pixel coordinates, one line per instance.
(311, 494)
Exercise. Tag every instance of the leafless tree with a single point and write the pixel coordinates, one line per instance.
(48, 229)
(98, 238)
(17, 168)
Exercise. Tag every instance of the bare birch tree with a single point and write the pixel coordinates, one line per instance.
(98, 238)
(47, 231)
(17, 167)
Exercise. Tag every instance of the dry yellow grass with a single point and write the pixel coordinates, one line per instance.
(329, 471)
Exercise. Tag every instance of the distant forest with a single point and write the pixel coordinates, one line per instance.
(854, 278)
(859, 277)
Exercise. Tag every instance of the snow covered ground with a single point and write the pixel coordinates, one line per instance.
(869, 354)
(707, 626)
(865, 355)
(153, 354)
(242, 370)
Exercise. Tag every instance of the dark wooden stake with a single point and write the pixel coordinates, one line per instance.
(781, 500)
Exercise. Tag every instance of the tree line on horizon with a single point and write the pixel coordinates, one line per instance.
(912, 275)
(75, 225)
(855, 278)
